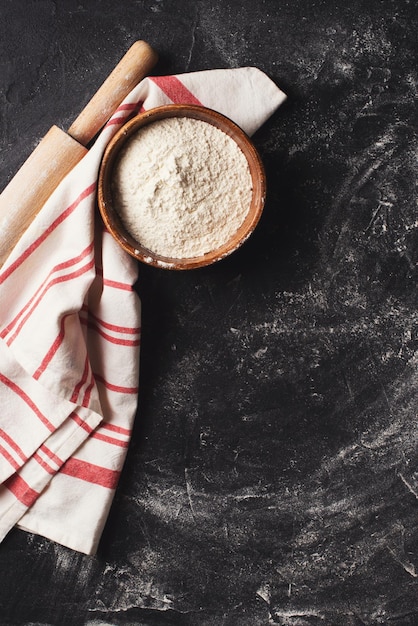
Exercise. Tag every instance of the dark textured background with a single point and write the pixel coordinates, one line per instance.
(273, 471)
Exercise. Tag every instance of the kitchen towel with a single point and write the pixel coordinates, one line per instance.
(70, 332)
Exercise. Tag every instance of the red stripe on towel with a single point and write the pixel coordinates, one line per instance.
(91, 473)
(63, 216)
(13, 445)
(81, 382)
(117, 429)
(175, 90)
(127, 330)
(53, 349)
(44, 464)
(110, 338)
(55, 281)
(111, 440)
(9, 458)
(87, 394)
(18, 391)
(117, 285)
(42, 289)
(116, 388)
(21, 490)
(51, 455)
(81, 423)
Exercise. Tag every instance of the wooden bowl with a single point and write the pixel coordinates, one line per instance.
(107, 206)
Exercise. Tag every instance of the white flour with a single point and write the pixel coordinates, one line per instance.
(182, 187)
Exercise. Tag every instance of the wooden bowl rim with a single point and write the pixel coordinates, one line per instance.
(109, 213)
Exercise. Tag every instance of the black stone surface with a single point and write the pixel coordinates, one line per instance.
(273, 471)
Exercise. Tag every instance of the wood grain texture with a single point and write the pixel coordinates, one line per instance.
(53, 158)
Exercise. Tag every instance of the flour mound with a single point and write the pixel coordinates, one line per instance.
(182, 187)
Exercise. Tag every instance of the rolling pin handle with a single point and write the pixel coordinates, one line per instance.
(131, 69)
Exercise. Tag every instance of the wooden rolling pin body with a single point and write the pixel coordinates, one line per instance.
(58, 152)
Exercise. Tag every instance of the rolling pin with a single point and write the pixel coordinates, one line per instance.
(58, 152)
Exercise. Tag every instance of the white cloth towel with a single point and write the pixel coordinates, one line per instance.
(70, 332)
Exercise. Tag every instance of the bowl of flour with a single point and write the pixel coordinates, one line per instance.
(181, 186)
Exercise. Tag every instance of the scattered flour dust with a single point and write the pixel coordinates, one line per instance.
(182, 187)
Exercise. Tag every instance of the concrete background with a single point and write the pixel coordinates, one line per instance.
(273, 473)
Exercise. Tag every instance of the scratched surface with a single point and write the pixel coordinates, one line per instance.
(273, 471)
